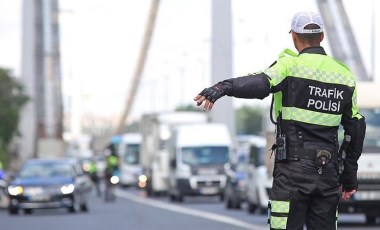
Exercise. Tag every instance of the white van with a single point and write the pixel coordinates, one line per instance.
(129, 164)
(198, 154)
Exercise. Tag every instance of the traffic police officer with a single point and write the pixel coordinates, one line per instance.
(313, 94)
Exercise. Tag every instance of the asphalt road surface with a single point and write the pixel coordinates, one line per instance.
(132, 210)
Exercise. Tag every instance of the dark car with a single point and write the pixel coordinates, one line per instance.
(235, 192)
(49, 183)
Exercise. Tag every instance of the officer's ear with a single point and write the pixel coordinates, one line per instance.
(322, 36)
(294, 36)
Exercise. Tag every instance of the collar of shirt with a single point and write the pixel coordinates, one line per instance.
(314, 50)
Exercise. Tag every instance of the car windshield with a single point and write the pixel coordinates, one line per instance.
(51, 169)
(131, 155)
(205, 155)
(372, 136)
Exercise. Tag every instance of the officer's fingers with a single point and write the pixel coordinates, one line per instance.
(210, 106)
(347, 195)
(200, 100)
(197, 97)
(344, 195)
(207, 104)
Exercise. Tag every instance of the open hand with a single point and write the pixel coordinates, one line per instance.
(346, 195)
(207, 103)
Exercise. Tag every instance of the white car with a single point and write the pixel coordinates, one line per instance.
(259, 180)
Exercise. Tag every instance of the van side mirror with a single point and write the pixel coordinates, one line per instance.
(252, 159)
(173, 163)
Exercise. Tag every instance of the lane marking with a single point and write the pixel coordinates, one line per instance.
(188, 211)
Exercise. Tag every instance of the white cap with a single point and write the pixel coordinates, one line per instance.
(302, 19)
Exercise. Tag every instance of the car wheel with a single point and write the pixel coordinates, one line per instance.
(180, 198)
(172, 197)
(237, 204)
(84, 207)
(74, 207)
(228, 202)
(13, 211)
(370, 219)
(28, 211)
(251, 207)
(263, 211)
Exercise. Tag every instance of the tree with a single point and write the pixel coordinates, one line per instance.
(188, 107)
(12, 98)
(249, 120)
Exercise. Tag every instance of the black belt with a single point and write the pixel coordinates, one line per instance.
(302, 153)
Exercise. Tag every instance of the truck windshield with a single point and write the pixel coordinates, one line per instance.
(372, 136)
(132, 153)
(205, 155)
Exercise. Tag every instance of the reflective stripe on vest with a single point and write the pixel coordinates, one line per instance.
(311, 117)
(279, 214)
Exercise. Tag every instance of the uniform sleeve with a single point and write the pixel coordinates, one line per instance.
(277, 74)
(260, 85)
(354, 125)
(251, 86)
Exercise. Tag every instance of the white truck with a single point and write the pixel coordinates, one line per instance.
(198, 154)
(129, 159)
(156, 130)
(367, 199)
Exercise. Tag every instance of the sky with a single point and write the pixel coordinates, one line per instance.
(100, 42)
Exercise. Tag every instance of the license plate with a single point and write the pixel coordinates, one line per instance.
(209, 190)
(40, 197)
(367, 195)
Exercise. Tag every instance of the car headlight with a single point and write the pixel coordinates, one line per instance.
(67, 189)
(114, 179)
(15, 190)
(142, 181)
(184, 171)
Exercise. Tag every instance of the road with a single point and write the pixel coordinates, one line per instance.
(133, 211)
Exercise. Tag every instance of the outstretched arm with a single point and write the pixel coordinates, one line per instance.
(251, 86)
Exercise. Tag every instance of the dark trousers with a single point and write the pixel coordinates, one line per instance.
(301, 196)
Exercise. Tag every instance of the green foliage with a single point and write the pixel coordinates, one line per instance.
(249, 120)
(4, 156)
(12, 98)
(189, 107)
